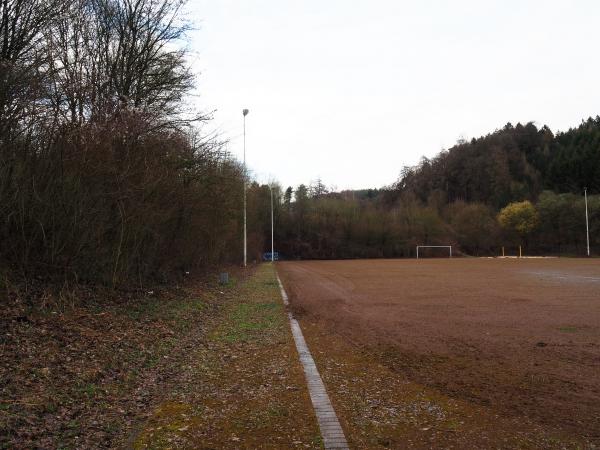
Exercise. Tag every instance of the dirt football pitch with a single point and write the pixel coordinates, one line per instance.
(513, 344)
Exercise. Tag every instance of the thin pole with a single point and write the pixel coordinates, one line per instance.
(587, 226)
(245, 111)
(272, 228)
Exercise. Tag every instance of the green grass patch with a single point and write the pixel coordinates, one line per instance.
(568, 329)
(255, 312)
(171, 419)
(249, 321)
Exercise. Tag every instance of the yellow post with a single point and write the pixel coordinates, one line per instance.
(520, 254)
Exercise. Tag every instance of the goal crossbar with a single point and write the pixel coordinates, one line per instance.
(434, 246)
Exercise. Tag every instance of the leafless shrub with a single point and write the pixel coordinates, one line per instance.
(102, 176)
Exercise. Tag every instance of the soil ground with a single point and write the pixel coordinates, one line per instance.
(456, 353)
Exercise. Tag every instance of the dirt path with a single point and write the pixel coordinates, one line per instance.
(244, 387)
(506, 351)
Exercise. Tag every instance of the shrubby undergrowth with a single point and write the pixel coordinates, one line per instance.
(105, 174)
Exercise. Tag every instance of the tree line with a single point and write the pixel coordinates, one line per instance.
(518, 186)
(105, 173)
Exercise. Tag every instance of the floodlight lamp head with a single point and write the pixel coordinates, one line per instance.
(245, 112)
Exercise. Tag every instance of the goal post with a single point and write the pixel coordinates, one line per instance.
(449, 247)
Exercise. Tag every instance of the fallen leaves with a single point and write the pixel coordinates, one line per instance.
(80, 377)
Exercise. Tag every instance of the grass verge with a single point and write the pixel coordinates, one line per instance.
(245, 387)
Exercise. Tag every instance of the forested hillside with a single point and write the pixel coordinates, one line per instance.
(513, 163)
(534, 177)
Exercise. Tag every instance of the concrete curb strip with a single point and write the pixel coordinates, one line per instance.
(331, 431)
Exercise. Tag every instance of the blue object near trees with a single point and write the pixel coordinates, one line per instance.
(267, 256)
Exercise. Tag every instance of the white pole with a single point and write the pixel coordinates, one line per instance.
(587, 226)
(245, 113)
(272, 228)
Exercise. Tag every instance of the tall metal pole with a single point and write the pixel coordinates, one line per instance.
(272, 228)
(587, 226)
(245, 113)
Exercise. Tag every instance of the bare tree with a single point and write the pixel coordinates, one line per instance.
(114, 54)
(23, 60)
(104, 179)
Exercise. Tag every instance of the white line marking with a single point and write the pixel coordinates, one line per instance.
(331, 431)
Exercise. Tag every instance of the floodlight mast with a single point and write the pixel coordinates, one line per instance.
(587, 225)
(272, 228)
(245, 113)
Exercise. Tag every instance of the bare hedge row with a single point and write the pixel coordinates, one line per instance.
(114, 201)
(103, 174)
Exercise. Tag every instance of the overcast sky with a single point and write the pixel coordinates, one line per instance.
(353, 90)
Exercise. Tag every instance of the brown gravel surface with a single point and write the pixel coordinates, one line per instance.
(499, 353)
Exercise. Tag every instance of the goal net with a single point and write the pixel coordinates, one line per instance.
(438, 251)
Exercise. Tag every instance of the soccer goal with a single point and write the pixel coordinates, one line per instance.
(449, 247)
